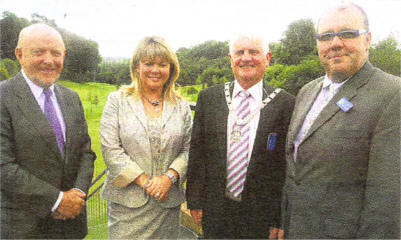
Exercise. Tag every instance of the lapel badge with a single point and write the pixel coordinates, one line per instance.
(271, 142)
(344, 104)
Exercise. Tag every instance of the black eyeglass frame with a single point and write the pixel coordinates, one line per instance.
(329, 36)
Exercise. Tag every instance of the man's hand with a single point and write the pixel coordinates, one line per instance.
(58, 216)
(276, 233)
(197, 216)
(72, 203)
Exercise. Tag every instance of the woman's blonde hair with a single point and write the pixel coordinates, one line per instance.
(148, 49)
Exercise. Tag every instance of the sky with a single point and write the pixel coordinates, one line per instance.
(118, 25)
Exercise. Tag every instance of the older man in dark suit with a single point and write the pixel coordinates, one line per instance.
(343, 147)
(46, 158)
(236, 163)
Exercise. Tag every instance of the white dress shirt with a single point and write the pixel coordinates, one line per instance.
(255, 100)
(328, 91)
(40, 98)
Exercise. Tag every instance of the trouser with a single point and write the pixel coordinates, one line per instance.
(231, 220)
(19, 224)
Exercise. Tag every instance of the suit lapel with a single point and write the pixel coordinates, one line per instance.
(168, 109)
(348, 91)
(33, 113)
(138, 110)
(68, 114)
(305, 105)
(263, 127)
(221, 120)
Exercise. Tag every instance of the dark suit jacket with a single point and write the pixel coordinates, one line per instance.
(207, 171)
(33, 171)
(345, 182)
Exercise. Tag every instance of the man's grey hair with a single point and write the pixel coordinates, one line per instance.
(251, 36)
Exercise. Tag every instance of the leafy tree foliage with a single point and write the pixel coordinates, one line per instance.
(36, 18)
(82, 58)
(10, 26)
(298, 43)
(292, 78)
(205, 63)
(8, 68)
(386, 55)
(114, 72)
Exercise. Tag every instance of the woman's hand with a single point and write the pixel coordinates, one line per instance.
(158, 187)
(141, 180)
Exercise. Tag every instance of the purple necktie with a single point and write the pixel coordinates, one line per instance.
(51, 115)
(239, 148)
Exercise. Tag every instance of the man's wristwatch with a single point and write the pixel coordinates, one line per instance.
(173, 179)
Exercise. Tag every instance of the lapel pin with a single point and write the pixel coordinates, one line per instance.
(344, 104)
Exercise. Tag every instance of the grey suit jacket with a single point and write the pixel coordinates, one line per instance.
(127, 153)
(33, 171)
(345, 182)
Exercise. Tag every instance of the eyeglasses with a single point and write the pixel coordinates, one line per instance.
(348, 34)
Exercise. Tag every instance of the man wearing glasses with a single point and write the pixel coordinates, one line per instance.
(343, 144)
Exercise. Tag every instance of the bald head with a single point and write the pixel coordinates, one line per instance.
(41, 53)
(35, 30)
(345, 7)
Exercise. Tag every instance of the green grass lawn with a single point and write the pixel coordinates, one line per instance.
(89, 92)
(94, 97)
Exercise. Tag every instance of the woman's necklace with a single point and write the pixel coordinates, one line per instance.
(155, 104)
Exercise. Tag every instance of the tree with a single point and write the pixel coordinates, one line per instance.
(386, 55)
(10, 26)
(298, 43)
(11, 66)
(8, 69)
(114, 72)
(196, 60)
(82, 58)
(303, 73)
(292, 78)
(37, 18)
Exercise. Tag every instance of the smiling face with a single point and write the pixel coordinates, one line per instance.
(153, 73)
(41, 54)
(248, 61)
(343, 58)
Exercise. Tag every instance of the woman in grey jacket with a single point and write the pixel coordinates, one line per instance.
(145, 133)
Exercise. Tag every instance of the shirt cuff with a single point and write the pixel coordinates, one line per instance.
(60, 197)
(80, 190)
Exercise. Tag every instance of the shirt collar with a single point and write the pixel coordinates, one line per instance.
(35, 89)
(256, 90)
(327, 82)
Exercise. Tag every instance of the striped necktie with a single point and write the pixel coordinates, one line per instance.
(239, 148)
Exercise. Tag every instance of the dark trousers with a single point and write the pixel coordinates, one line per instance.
(232, 220)
(18, 224)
